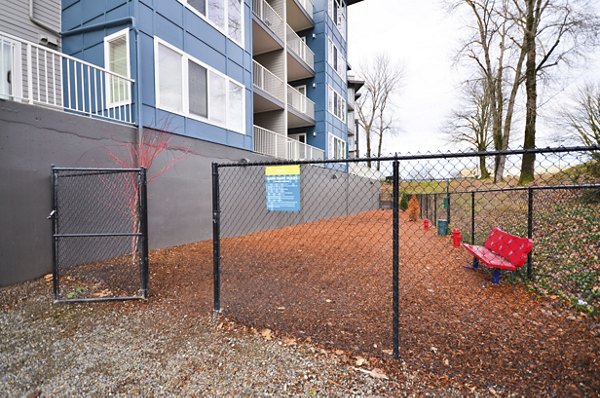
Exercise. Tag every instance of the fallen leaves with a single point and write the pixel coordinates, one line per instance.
(374, 373)
(267, 334)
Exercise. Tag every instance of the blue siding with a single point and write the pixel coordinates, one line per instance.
(174, 23)
(325, 76)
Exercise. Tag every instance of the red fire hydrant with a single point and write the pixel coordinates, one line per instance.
(456, 237)
(426, 224)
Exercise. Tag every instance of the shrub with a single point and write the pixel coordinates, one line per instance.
(413, 208)
(404, 201)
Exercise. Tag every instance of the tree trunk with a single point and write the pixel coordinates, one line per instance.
(485, 174)
(528, 161)
(368, 136)
(379, 151)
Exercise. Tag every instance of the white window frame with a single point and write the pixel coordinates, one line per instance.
(107, 82)
(342, 107)
(16, 80)
(340, 154)
(342, 15)
(331, 59)
(185, 88)
(225, 29)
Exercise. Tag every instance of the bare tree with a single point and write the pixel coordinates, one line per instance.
(498, 58)
(582, 119)
(382, 80)
(554, 32)
(471, 124)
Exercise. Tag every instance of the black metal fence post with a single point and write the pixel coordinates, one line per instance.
(396, 257)
(54, 219)
(143, 217)
(530, 231)
(448, 203)
(435, 209)
(473, 217)
(216, 241)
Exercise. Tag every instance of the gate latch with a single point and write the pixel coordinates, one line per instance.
(51, 215)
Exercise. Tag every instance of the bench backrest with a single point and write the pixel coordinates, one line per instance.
(513, 248)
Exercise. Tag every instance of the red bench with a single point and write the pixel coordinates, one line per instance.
(501, 251)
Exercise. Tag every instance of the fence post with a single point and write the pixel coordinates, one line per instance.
(54, 217)
(435, 209)
(473, 217)
(529, 230)
(448, 203)
(143, 209)
(396, 257)
(216, 241)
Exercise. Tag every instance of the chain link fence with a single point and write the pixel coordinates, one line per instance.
(100, 234)
(365, 255)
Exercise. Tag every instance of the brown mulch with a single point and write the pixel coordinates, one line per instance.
(330, 282)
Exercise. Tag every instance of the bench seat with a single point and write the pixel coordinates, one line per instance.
(501, 251)
(489, 258)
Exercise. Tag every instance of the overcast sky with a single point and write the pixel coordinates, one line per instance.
(422, 36)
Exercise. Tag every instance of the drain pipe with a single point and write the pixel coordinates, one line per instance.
(138, 67)
(40, 23)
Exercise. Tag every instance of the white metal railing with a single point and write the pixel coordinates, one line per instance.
(298, 46)
(269, 17)
(308, 6)
(351, 123)
(277, 145)
(300, 151)
(300, 102)
(41, 76)
(268, 81)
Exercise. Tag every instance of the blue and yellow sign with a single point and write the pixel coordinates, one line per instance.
(283, 188)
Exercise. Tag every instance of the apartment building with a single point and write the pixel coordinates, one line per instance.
(231, 79)
(268, 76)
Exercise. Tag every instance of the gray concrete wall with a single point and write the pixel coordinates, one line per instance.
(33, 138)
(324, 193)
(179, 200)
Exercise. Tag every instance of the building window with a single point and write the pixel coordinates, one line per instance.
(336, 147)
(336, 104)
(116, 60)
(10, 69)
(337, 13)
(336, 60)
(225, 15)
(170, 80)
(190, 88)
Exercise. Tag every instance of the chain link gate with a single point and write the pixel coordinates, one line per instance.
(100, 234)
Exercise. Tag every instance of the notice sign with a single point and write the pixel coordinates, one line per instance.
(283, 188)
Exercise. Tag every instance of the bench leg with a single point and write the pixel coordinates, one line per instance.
(496, 277)
(474, 265)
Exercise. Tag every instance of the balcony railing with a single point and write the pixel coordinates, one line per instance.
(308, 6)
(266, 80)
(270, 143)
(300, 102)
(269, 17)
(299, 47)
(300, 151)
(46, 77)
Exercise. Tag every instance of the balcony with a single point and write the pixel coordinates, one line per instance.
(268, 28)
(270, 143)
(269, 93)
(301, 60)
(300, 14)
(301, 110)
(44, 77)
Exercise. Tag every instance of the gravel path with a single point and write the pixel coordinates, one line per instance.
(151, 349)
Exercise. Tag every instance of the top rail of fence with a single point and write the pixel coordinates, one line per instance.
(440, 155)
